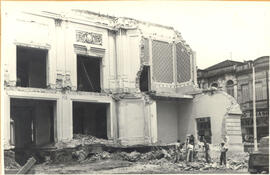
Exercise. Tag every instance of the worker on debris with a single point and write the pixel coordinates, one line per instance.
(223, 150)
(189, 149)
(206, 150)
(178, 151)
(192, 142)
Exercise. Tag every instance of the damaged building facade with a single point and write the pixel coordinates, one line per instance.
(119, 79)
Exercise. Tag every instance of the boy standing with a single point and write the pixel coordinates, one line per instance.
(206, 150)
(223, 150)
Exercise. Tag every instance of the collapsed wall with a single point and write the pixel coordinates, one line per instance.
(214, 115)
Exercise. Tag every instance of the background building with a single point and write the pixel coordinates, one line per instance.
(236, 79)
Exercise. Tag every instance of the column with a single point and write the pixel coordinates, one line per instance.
(6, 114)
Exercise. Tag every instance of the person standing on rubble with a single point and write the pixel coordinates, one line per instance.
(178, 151)
(206, 150)
(192, 142)
(223, 150)
(189, 148)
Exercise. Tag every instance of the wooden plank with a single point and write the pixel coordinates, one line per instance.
(30, 162)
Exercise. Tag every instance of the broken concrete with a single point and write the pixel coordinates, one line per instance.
(9, 160)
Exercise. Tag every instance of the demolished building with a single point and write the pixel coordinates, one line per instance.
(119, 79)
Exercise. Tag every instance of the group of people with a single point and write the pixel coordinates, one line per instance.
(189, 147)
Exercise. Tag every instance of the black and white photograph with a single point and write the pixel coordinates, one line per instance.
(135, 87)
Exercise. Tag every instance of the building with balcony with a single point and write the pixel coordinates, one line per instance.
(128, 81)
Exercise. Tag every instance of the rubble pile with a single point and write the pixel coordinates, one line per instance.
(157, 156)
(87, 148)
(60, 156)
(98, 156)
(81, 139)
(235, 161)
(238, 160)
(132, 157)
(88, 139)
(9, 160)
(168, 157)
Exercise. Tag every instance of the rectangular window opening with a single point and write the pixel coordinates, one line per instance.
(31, 67)
(204, 129)
(88, 73)
(145, 79)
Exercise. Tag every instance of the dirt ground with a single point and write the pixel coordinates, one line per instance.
(76, 158)
(117, 166)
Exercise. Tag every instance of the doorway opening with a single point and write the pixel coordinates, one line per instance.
(32, 126)
(33, 122)
(90, 119)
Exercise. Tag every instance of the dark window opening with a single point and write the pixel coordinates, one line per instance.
(31, 67)
(90, 119)
(88, 73)
(214, 85)
(145, 79)
(204, 129)
(230, 88)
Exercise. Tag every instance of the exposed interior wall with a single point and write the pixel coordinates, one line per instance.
(132, 122)
(216, 106)
(33, 121)
(167, 121)
(90, 119)
(185, 123)
(31, 67)
(207, 105)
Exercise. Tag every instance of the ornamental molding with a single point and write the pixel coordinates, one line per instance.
(126, 23)
(88, 37)
(98, 51)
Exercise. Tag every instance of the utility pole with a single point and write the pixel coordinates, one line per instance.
(254, 109)
(267, 89)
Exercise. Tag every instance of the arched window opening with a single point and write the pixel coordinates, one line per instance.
(214, 85)
(229, 87)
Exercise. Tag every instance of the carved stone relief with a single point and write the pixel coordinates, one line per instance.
(88, 37)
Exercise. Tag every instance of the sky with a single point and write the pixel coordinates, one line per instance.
(215, 30)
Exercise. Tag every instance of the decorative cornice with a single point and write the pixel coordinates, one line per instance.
(98, 51)
(126, 23)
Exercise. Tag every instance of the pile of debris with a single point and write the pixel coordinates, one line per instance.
(98, 156)
(81, 139)
(88, 139)
(160, 155)
(87, 148)
(9, 160)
